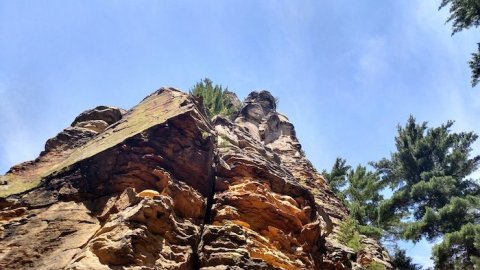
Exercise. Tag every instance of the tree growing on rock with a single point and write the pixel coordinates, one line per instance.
(360, 191)
(348, 234)
(216, 99)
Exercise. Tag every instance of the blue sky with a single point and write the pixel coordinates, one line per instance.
(345, 72)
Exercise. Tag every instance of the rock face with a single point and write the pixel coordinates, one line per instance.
(163, 187)
(86, 126)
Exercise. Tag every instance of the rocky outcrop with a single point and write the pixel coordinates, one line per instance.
(163, 187)
(260, 199)
(84, 128)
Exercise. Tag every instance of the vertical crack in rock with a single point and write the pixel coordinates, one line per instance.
(208, 209)
(163, 187)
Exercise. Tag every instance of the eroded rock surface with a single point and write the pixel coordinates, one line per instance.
(85, 127)
(163, 187)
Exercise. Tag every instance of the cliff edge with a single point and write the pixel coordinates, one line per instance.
(162, 186)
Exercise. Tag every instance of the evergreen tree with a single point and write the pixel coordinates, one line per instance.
(363, 198)
(359, 190)
(464, 14)
(217, 101)
(459, 249)
(337, 177)
(402, 262)
(432, 194)
(348, 234)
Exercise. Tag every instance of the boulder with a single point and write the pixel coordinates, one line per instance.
(107, 114)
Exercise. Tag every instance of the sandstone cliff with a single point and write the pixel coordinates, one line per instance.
(161, 186)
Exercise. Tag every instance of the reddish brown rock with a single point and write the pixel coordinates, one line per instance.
(258, 136)
(163, 187)
(46, 238)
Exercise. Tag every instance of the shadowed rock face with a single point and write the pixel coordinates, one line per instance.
(163, 187)
(85, 127)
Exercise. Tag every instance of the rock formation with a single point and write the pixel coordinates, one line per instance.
(161, 186)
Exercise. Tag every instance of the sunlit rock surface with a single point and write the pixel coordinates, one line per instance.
(161, 186)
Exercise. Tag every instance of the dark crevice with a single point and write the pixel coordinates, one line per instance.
(67, 233)
(37, 206)
(207, 216)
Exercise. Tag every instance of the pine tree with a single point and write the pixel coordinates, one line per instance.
(349, 235)
(432, 194)
(337, 177)
(465, 14)
(401, 261)
(459, 249)
(359, 190)
(363, 197)
(217, 101)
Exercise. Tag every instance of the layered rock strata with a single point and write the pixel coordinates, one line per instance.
(161, 186)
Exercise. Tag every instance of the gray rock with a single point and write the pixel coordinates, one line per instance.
(105, 113)
(69, 138)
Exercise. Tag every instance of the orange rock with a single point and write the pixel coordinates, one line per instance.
(214, 194)
(148, 193)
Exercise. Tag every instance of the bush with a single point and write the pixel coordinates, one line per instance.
(217, 101)
(348, 234)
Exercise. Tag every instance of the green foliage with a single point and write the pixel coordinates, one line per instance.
(375, 266)
(460, 249)
(474, 64)
(428, 175)
(363, 195)
(205, 135)
(359, 189)
(463, 15)
(337, 177)
(371, 231)
(402, 262)
(217, 101)
(348, 234)
(432, 194)
(449, 218)
(223, 141)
